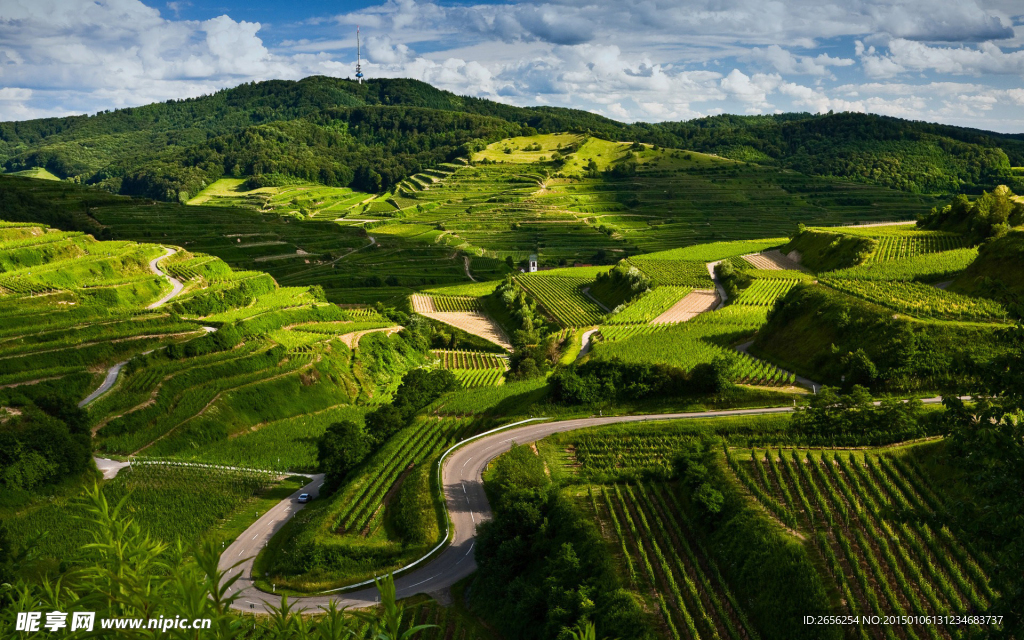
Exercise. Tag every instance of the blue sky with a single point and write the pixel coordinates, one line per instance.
(953, 61)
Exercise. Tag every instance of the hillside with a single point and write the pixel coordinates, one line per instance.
(989, 275)
(373, 135)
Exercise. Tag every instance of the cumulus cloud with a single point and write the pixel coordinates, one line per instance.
(784, 61)
(627, 59)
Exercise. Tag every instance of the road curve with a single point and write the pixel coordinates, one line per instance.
(176, 285)
(462, 481)
(108, 382)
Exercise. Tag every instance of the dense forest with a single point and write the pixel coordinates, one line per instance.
(371, 136)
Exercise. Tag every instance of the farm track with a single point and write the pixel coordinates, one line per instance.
(465, 501)
(351, 340)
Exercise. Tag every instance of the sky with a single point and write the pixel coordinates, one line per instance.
(952, 61)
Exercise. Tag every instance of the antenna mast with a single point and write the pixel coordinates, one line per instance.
(359, 57)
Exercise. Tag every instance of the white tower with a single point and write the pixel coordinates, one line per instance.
(359, 57)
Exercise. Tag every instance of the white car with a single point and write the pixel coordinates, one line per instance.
(304, 497)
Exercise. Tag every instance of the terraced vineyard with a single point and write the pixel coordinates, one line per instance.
(649, 306)
(921, 300)
(872, 520)
(474, 368)
(764, 292)
(697, 341)
(680, 273)
(928, 267)
(468, 359)
(663, 560)
(563, 298)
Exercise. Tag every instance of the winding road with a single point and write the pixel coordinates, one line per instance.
(176, 285)
(462, 482)
(115, 370)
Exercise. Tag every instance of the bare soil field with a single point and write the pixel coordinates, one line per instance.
(774, 260)
(693, 304)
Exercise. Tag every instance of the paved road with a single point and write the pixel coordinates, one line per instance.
(109, 467)
(176, 285)
(108, 382)
(586, 343)
(462, 479)
(722, 295)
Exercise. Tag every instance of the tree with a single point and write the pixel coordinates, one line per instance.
(986, 442)
(340, 449)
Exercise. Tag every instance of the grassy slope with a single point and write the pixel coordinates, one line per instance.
(826, 251)
(988, 276)
(815, 326)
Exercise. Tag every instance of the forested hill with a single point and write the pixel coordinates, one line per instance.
(902, 154)
(371, 136)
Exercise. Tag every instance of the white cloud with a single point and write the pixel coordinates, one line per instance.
(784, 61)
(627, 59)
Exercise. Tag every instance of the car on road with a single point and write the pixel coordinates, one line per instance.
(304, 497)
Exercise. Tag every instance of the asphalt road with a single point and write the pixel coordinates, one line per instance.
(108, 382)
(462, 478)
(176, 285)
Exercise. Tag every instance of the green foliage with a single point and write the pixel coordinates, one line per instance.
(921, 300)
(620, 285)
(603, 381)
(340, 449)
(988, 217)
(418, 388)
(911, 156)
(543, 568)
(990, 277)
(853, 416)
(413, 514)
(830, 250)
(929, 267)
(771, 572)
(814, 329)
(986, 444)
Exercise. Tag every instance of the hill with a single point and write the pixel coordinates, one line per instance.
(371, 136)
(989, 275)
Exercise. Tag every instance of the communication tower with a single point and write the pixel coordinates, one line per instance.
(359, 57)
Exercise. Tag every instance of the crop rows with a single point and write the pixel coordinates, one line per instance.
(409, 447)
(871, 521)
(469, 360)
(921, 300)
(928, 266)
(650, 305)
(563, 298)
(479, 377)
(896, 247)
(455, 303)
(663, 559)
(687, 344)
(764, 293)
(681, 273)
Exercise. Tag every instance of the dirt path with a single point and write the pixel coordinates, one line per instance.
(692, 305)
(465, 263)
(351, 340)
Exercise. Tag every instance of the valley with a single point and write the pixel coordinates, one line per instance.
(546, 372)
